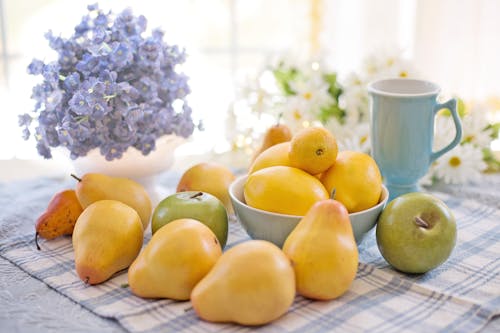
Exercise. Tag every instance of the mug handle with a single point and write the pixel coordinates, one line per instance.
(452, 106)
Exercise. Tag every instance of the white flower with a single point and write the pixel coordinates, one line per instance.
(444, 131)
(354, 138)
(313, 91)
(461, 165)
(296, 113)
(473, 127)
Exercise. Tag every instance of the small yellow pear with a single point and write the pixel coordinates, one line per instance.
(95, 186)
(274, 135)
(209, 177)
(252, 283)
(275, 155)
(107, 238)
(323, 251)
(178, 256)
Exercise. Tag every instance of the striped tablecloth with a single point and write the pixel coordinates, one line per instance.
(462, 295)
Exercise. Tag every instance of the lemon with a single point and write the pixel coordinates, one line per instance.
(313, 149)
(356, 179)
(272, 156)
(283, 189)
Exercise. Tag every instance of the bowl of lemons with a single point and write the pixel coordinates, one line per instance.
(285, 180)
(275, 227)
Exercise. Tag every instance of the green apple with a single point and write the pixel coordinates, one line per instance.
(200, 206)
(416, 232)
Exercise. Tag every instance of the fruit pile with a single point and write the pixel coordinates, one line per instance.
(289, 177)
(253, 282)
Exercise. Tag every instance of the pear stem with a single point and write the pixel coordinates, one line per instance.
(36, 242)
(279, 119)
(421, 222)
(196, 195)
(188, 309)
(76, 177)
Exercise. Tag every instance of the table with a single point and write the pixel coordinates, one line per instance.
(30, 305)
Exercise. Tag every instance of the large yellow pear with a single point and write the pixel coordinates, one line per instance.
(284, 190)
(95, 186)
(274, 155)
(178, 255)
(323, 251)
(209, 177)
(107, 238)
(356, 179)
(251, 284)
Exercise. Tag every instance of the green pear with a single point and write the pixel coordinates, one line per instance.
(107, 238)
(178, 255)
(323, 251)
(93, 187)
(252, 283)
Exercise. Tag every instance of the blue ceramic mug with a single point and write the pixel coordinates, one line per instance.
(402, 130)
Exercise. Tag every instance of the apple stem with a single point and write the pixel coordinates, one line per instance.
(421, 222)
(332, 195)
(76, 177)
(196, 195)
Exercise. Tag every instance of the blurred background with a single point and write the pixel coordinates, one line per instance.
(455, 43)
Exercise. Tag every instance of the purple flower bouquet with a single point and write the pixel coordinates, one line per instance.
(110, 88)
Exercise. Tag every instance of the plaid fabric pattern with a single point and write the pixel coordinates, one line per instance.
(462, 295)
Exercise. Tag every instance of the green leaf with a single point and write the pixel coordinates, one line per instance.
(491, 160)
(334, 88)
(495, 127)
(283, 77)
(332, 111)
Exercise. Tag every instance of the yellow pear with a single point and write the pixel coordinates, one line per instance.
(275, 134)
(209, 177)
(273, 156)
(95, 186)
(323, 251)
(107, 238)
(252, 283)
(178, 256)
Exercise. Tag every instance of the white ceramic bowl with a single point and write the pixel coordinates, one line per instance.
(274, 227)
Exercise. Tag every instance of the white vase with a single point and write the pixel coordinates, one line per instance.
(134, 165)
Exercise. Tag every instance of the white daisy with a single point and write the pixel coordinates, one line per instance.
(461, 165)
(354, 137)
(297, 113)
(474, 126)
(444, 131)
(313, 91)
